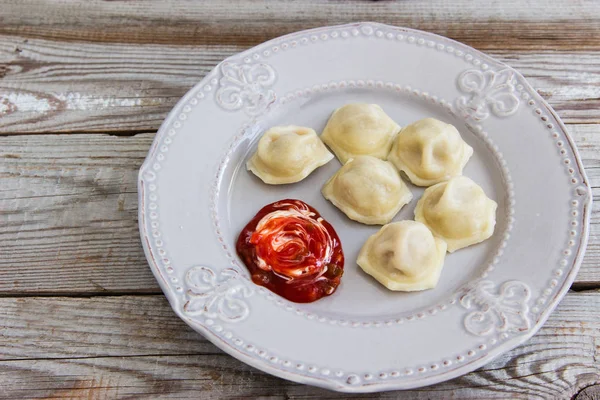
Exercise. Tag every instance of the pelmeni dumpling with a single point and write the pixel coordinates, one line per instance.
(367, 190)
(288, 154)
(359, 129)
(430, 151)
(457, 211)
(404, 256)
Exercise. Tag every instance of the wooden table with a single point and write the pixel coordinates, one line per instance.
(84, 85)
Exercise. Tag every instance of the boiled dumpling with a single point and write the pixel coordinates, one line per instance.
(359, 129)
(404, 256)
(430, 151)
(457, 211)
(288, 154)
(367, 190)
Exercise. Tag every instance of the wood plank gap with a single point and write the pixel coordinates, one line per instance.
(584, 287)
(211, 354)
(83, 295)
(78, 132)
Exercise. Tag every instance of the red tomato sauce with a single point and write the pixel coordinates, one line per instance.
(291, 250)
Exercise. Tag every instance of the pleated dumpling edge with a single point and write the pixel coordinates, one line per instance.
(360, 129)
(288, 154)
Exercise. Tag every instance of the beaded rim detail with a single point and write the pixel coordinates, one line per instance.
(421, 375)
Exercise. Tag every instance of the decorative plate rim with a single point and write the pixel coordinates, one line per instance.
(328, 382)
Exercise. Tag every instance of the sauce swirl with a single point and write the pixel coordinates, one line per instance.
(291, 250)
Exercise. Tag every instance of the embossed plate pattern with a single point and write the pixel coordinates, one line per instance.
(195, 196)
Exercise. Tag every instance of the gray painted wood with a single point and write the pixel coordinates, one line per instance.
(68, 203)
(45, 86)
(510, 24)
(135, 347)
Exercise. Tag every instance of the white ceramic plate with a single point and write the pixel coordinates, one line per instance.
(196, 196)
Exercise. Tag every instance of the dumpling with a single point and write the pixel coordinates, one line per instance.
(430, 151)
(288, 154)
(457, 211)
(367, 190)
(404, 256)
(359, 129)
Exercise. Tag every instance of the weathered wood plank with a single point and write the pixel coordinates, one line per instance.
(69, 212)
(101, 326)
(512, 24)
(50, 86)
(46, 86)
(100, 66)
(589, 393)
(133, 346)
(70, 209)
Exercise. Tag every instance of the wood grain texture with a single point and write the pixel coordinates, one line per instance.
(68, 203)
(46, 86)
(51, 86)
(508, 24)
(102, 326)
(71, 210)
(589, 393)
(134, 346)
